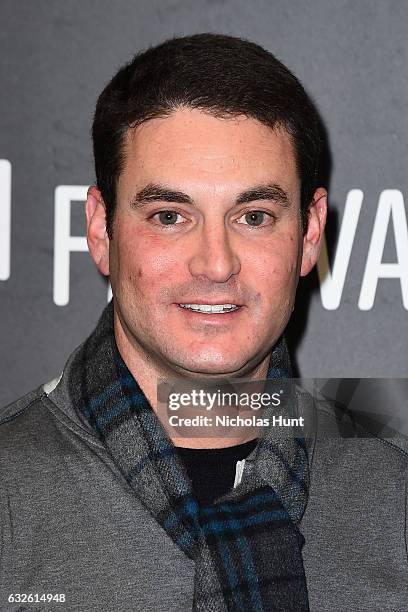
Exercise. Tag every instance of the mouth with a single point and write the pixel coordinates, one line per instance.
(210, 309)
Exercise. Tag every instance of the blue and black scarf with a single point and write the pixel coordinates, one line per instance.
(246, 546)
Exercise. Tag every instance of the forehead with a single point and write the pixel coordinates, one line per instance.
(191, 145)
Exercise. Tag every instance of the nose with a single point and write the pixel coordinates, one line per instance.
(214, 257)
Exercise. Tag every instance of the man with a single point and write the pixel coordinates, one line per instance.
(206, 211)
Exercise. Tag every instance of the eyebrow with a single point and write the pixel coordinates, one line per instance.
(272, 191)
(161, 193)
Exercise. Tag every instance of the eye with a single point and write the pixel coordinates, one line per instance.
(255, 217)
(167, 217)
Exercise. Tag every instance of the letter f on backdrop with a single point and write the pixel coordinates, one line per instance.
(5, 218)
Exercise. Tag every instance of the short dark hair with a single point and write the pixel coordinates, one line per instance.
(222, 75)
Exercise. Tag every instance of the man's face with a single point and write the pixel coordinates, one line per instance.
(208, 216)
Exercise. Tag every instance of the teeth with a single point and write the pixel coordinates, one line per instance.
(216, 308)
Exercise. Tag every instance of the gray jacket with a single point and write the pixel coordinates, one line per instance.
(70, 524)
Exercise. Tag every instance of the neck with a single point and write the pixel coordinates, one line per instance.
(149, 372)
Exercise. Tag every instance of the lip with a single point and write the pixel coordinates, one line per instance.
(219, 318)
(211, 302)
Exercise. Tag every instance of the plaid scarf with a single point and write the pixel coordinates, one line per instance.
(246, 546)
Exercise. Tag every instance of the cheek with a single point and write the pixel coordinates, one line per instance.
(274, 276)
(149, 267)
(274, 270)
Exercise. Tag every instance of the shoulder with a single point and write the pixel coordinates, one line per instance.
(344, 444)
(38, 432)
(14, 416)
(31, 428)
(357, 477)
(23, 424)
(356, 518)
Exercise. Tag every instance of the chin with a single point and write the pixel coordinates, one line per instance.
(220, 366)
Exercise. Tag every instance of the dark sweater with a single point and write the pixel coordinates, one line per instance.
(212, 470)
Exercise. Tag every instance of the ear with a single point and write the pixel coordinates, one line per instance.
(98, 241)
(312, 239)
